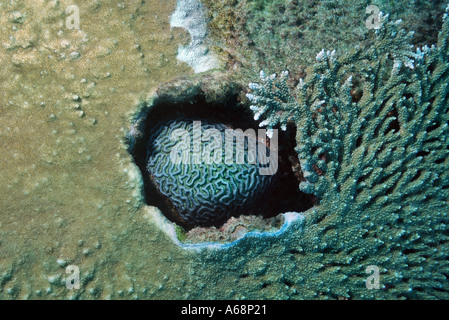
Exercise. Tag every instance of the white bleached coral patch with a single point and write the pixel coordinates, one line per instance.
(189, 14)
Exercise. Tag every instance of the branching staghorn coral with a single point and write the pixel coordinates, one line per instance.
(373, 143)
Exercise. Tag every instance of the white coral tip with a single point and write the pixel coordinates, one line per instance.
(253, 86)
(263, 123)
(321, 55)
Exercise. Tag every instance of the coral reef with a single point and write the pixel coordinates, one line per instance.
(69, 188)
(274, 34)
(204, 187)
(377, 161)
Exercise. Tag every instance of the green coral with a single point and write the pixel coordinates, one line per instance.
(382, 182)
(273, 34)
(378, 163)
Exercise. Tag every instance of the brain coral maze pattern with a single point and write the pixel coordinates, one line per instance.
(204, 194)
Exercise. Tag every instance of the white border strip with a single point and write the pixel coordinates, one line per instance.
(155, 215)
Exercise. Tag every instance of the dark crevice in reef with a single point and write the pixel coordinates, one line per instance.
(193, 103)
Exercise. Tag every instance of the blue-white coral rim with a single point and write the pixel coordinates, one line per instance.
(168, 227)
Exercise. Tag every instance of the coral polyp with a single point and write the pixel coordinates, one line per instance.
(202, 187)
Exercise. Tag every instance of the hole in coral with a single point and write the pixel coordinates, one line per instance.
(410, 251)
(356, 90)
(408, 96)
(384, 179)
(390, 190)
(359, 141)
(294, 251)
(442, 290)
(288, 282)
(361, 179)
(394, 125)
(212, 205)
(431, 67)
(423, 154)
(432, 127)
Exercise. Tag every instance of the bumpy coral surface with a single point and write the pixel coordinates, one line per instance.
(204, 193)
(273, 34)
(68, 190)
(373, 142)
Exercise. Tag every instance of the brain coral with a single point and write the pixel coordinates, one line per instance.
(203, 193)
